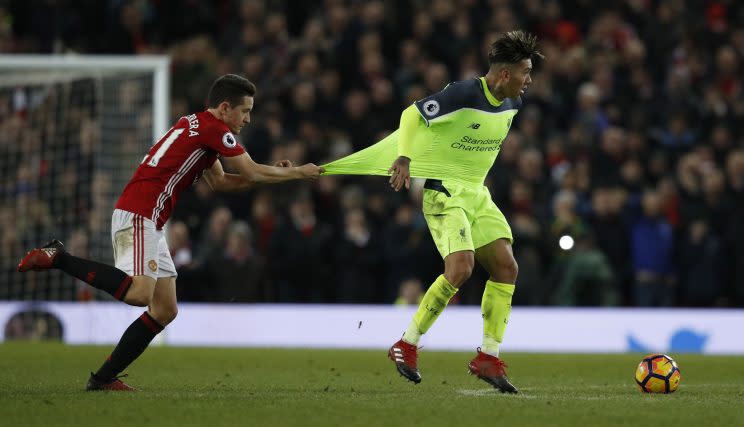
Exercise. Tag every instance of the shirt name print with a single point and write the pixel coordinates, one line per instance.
(193, 124)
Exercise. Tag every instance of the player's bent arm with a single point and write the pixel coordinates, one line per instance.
(400, 169)
(218, 180)
(408, 125)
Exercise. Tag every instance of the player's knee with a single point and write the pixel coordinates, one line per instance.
(164, 314)
(460, 277)
(172, 313)
(508, 271)
(513, 269)
(459, 273)
(140, 293)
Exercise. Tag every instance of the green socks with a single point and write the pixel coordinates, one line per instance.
(434, 301)
(496, 307)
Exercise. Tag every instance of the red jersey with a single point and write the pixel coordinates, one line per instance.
(176, 162)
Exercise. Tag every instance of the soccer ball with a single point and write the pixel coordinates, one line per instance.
(657, 373)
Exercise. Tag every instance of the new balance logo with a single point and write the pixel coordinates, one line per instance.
(474, 125)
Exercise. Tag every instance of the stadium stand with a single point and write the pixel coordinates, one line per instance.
(631, 142)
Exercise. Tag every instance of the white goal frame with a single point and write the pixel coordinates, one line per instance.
(57, 74)
(159, 65)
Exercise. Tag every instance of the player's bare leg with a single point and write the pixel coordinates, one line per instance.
(164, 306)
(162, 310)
(141, 293)
(497, 258)
(457, 269)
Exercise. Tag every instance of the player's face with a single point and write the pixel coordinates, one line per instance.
(238, 116)
(519, 78)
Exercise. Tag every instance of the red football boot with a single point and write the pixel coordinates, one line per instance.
(115, 384)
(41, 258)
(404, 355)
(491, 370)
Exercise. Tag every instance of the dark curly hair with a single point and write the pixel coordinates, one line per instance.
(512, 47)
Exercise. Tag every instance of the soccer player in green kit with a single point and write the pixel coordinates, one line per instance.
(465, 125)
(452, 139)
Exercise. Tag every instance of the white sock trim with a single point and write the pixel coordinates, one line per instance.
(490, 346)
(412, 335)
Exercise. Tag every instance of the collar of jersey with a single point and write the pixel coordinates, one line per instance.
(489, 96)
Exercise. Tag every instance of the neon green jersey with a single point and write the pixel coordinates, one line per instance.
(458, 138)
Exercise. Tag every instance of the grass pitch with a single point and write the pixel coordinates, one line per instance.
(42, 384)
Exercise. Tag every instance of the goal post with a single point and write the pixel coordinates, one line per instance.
(158, 65)
(73, 128)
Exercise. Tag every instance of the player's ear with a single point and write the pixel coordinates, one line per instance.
(505, 73)
(223, 108)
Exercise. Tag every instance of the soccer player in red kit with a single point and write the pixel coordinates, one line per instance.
(144, 274)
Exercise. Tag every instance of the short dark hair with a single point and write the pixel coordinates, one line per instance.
(512, 47)
(231, 88)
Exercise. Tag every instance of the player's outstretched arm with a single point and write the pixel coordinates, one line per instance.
(251, 173)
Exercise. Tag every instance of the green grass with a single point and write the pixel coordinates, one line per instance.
(41, 384)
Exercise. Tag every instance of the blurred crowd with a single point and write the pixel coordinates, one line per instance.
(629, 149)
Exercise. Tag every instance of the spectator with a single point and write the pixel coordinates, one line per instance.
(587, 279)
(611, 236)
(700, 266)
(237, 271)
(406, 251)
(358, 262)
(302, 243)
(652, 251)
(179, 245)
(608, 158)
(214, 236)
(589, 114)
(195, 206)
(626, 100)
(410, 293)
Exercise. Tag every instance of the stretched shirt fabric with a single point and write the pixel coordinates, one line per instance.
(457, 137)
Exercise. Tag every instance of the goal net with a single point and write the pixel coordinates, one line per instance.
(72, 130)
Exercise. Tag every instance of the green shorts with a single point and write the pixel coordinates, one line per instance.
(462, 218)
